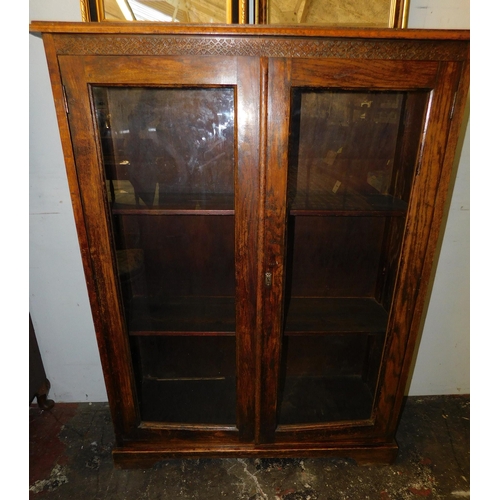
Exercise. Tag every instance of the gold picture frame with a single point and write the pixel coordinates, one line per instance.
(368, 13)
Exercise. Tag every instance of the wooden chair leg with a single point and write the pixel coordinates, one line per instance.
(41, 396)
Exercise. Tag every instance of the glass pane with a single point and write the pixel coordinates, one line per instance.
(351, 165)
(362, 13)
(168, 148)
(188, 379)
(329, 378)
(168, 157)
(194, 11)
(344, 146)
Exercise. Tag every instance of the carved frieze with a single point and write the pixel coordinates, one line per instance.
(167, 45)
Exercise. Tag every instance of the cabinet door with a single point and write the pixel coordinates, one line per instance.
(169, 187)
(353, 189)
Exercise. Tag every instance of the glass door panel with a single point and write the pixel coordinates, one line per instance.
(351, 162)
(168, 156)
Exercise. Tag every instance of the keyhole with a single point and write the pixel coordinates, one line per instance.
(268, 279)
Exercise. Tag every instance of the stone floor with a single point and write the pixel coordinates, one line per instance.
(70, 458)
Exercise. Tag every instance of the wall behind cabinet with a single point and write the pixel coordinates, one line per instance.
(58, 297)
(59, 304)
(443, 361)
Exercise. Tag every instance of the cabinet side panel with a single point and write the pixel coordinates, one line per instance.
(101, 275)
(439, 140)
(455, 80)
(65, 134)
(74, 188)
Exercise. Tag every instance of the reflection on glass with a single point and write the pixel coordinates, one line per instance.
(167, 148)
(168, 156)
(182, 11)
(351, 164)
(346, 146)
(360, 13)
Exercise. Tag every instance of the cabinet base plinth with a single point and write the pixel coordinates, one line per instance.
(130, 457)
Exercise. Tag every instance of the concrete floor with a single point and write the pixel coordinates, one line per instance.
(70, 458)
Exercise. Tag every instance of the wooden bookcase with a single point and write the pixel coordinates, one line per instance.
(258, 210)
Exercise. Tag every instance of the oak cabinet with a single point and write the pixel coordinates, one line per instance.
(258, 210)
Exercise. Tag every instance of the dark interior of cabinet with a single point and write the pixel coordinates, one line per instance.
(352, 159)
(180, 312)
(168, 156)
(186, 379)
(185, 280)
(329, 377)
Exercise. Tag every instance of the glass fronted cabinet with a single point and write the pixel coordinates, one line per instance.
(258, 215)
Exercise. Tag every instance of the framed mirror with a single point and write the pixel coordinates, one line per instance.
(181, 11)
(342, 13)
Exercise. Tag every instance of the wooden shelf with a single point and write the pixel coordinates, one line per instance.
(182, 316)
(306, 316)
(189, 401)
(324, 399)
(216, 316)
(180, 204)
(322, 204)
(347, 204)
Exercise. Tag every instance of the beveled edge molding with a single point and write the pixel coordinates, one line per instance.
(172, 45)
(85, 10)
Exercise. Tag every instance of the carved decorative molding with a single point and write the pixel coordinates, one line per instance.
(258, 47)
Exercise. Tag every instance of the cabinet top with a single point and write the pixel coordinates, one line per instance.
(153, 28)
